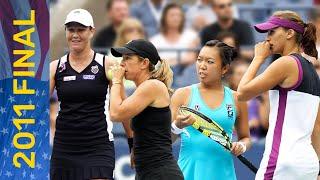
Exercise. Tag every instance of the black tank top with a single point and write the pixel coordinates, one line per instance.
(81, 121)
(152, 138)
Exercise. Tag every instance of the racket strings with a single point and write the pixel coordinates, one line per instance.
(212, 130)
(208, 128)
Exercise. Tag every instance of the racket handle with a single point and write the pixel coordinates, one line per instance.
(246, 162)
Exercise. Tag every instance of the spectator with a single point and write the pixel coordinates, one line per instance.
(229, 38)
(201, 14)
(130, 29)
(257, 107)
(117, 11)
(226, 22)
(149, 13)
(174, 36)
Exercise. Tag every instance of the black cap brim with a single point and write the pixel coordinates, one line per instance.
(118, 52)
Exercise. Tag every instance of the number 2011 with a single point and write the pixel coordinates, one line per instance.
(30, 161)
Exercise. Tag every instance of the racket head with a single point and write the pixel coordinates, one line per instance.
(214, 132)
(186, 110)
(207, 127)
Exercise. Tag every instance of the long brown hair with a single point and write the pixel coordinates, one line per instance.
(308, 39)
(163, 23)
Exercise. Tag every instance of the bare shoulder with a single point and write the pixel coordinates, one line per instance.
(155, 85)
(54, 62)
(181, 95)
(53, 65)
(184, 91)
(287, 67)
(155, 91)
(284, 62)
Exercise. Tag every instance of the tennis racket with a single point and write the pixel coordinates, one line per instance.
(214, 131)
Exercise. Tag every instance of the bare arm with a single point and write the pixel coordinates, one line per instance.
(126, 123)
(121, 110)
(242, 128)
(281, 72)
(316, 134)
(53, 69)
(179, 98)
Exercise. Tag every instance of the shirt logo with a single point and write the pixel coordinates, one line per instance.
(95, 69)
(62, 67)
(90, 77)
(69, 78)
(229, 110)
(197, 107)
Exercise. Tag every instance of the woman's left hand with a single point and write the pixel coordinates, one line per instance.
(238, 148)
(117, 72)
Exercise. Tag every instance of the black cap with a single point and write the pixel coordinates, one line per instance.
(140, 47)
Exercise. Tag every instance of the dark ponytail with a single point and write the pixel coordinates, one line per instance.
(227, 53)
(309, 40)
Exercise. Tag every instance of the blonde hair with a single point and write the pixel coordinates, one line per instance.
(308, 38)
(162, 73)
(128, 22)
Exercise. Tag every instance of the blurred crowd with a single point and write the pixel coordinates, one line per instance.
(178, 31)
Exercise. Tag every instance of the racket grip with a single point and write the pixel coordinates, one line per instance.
(246, 162)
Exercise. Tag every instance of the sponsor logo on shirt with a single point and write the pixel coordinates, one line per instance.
(89, 77)
(69, 78)
(95, 69)
(197, 107)
(62, 67)
(229, 110)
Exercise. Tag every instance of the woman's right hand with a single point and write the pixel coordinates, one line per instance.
(262, 50)
(183, 121)
(117, 72)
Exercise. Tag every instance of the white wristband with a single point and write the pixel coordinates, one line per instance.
(175, 129)
(243, 145)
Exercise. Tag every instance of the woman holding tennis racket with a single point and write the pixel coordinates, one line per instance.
(148, 107)
(200, 157)
(294, 120)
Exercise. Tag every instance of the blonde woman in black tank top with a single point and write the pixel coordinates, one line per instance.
(148, 107)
